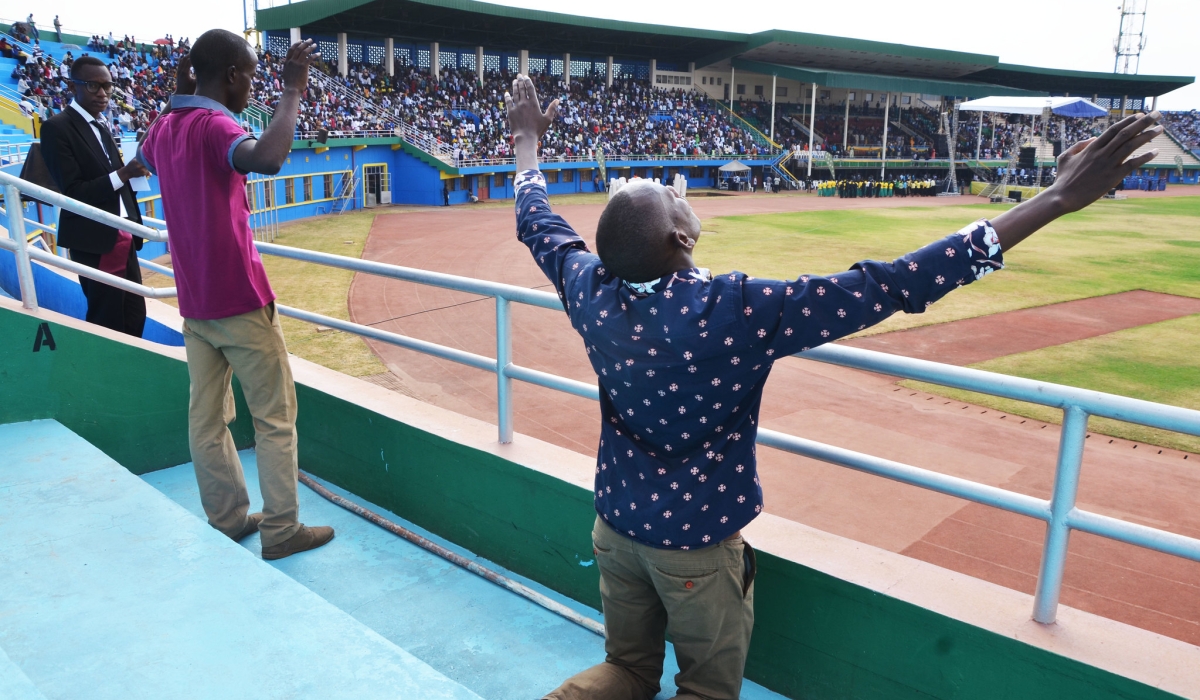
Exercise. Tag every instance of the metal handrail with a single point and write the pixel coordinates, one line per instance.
(1060, 512)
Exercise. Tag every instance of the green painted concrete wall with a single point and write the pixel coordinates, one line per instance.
(815, 636)
(130, 403)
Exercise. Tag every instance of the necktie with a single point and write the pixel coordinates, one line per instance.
(110, 145)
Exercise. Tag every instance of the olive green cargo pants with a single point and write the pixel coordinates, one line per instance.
(703, 598)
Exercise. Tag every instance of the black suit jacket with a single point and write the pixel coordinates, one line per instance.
(81, 169)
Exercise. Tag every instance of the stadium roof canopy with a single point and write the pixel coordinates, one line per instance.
(826, 60)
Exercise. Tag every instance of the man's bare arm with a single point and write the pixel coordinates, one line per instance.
(267, 154)
(1086, 172)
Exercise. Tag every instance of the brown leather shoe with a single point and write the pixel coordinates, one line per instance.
(250, 528)
(306, 538)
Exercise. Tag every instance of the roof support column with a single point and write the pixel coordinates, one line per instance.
(523, 62)
(1153, 103)
(773, 78)
(812, 119)
(979, 136)
(608, 73)
(1124, 99)
(692, 73)
(887, 106)
(479, 64)
(343, 61)
(732, 84)
(389, 55)
(293, 36)
(846, 126)
(653, 72)
(435, 61)
(566, 76)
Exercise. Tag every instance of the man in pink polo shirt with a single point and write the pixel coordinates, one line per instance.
(201, 156)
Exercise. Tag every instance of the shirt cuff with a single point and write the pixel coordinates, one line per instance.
(983, 248)
(115, 179)
(527, 178)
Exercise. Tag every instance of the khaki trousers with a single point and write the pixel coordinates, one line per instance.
(704, 598)
(251, 346)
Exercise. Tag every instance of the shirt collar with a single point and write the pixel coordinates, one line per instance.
(83, 112)
(691, 276)
(201, 102)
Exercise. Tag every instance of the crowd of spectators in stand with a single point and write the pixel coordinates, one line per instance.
(1185, 126)
(144, 77)
(631, 117)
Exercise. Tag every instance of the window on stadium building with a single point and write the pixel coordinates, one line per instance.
(328, 185)
(718, 81)
(251, 196)
(906, 100)
(498, 180)
(870, 96)
(696, 173)
(808, 93)
(308, 189)
(568, 176)
(758, 90)
(741, 89)
(780, 91)
(268, 193)
(289, 191)
(551, 177)
(824, 94)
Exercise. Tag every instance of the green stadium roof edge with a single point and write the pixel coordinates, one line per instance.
(826, 60)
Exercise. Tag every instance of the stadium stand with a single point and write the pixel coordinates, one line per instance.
(630, 117)
(1185, 126)
(647, 102)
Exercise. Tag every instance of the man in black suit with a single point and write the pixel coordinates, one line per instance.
(85, 161)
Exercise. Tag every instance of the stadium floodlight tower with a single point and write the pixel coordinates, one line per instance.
(1131, 37)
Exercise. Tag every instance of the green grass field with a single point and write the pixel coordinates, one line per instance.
(320, 289)
(1112, 246)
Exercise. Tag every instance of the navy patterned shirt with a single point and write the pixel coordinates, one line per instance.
(682, 361)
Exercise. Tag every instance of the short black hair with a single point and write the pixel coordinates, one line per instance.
(83, 62)
(630, 239)
(215, 51)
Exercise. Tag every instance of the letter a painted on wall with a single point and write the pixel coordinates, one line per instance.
(44, 337)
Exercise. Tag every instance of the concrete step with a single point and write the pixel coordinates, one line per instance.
(490, 640)
(111, 590)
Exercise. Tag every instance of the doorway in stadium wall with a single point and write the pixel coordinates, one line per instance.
(377, 184)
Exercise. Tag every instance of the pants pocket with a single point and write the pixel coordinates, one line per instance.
(749, 567)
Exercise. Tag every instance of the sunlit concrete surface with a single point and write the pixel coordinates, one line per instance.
(490, 640)
(110, 590)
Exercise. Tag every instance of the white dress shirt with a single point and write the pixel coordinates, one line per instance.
(113, 176)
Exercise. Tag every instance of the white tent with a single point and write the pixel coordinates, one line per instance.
(1062, 106)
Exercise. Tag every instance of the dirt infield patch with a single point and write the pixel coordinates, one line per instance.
(843, 407)
(983, 338)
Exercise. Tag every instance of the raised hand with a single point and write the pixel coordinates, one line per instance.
(185, 81)
(526, 120)
(296, 63)
(1089, 169)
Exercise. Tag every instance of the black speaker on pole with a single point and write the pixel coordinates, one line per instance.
(1028, 158)
(1058, 147)
(322, 135)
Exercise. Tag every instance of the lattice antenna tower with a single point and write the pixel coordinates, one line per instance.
(1131, 36)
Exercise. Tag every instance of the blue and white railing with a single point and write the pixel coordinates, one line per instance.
(1060, 512)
